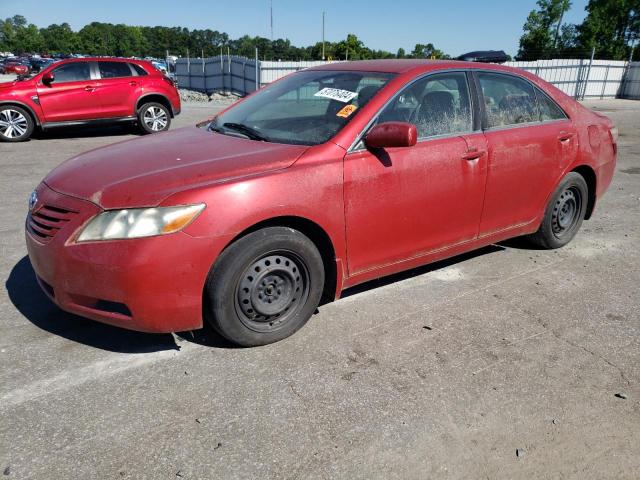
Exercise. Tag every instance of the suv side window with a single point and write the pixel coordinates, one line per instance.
(72, 72)
(508, 100)
(114, 69)
(549, 110)
(437, 104)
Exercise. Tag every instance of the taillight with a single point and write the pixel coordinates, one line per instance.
(170, 82)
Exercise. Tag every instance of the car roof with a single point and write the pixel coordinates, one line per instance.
(103, 59)
(410, 65)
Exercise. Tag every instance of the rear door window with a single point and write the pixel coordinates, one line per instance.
(72, 72)
(114, 69)
(508, 100)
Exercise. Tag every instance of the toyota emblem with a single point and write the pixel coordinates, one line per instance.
(33, 199)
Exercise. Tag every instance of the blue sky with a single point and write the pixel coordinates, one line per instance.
(455, 26)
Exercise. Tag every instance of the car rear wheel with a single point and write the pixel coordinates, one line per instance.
(564, 213)
(16, 125)
(154, 118)
(264, 287)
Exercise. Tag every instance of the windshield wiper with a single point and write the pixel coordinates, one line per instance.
(246, 130)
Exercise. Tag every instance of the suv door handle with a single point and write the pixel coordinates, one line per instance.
(133, 84)
(473, 154)
(89, 88)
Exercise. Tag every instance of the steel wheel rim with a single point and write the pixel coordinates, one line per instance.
(155, 118)
(566, 211)
(13, 124)
(272, 291)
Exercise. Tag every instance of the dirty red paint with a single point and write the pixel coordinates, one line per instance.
(383, 210)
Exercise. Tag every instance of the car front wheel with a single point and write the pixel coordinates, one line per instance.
(264, 287)
(16, 125)
(564, 213)
(153, 118)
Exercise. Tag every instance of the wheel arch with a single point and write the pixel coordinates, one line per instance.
(589, 176)
(157, 98)
(34, 117)
(317, 235)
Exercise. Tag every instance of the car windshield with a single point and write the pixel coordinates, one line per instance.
(306, 108)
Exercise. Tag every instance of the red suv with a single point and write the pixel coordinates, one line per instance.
(88, 90)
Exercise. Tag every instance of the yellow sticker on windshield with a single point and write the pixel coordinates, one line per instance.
(346, 111)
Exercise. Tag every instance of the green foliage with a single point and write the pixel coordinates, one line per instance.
(611, 27)
(427, 51)
(539, 38)
(97, 38)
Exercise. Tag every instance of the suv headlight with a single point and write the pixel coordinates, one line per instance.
(139, 222)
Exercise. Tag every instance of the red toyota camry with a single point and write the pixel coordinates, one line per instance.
(330, 177)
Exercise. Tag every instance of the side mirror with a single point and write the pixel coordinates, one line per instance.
(48, 78)
(392, 134)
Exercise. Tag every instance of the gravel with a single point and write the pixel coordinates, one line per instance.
(187, 95)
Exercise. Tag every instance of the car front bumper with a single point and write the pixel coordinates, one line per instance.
(152, 284)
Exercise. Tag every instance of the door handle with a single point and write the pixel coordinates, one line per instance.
(565, 136)
(89, 88)
(473, 154)
(133, 84)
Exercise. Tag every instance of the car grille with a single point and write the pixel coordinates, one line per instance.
(45, 222)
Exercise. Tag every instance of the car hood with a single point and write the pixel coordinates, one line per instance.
(144, 171)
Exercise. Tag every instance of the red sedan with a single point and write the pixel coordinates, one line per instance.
(325, 179)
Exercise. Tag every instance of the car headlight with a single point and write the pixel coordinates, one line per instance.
(139, 222)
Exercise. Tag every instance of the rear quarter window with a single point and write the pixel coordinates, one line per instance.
(139, 70)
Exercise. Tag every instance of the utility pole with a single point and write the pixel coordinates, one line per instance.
(271, 15)
(555, 40)
(323, 36)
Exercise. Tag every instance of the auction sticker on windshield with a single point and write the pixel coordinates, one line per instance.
(337, 94)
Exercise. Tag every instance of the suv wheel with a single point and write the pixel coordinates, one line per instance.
(16, 125)
(153, 118)
(264, 287)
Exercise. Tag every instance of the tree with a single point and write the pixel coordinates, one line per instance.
(99, 38)
(28, 39)
(401, 53)
(60, 38)
(427, 51)
(541, 30)
(611, 27)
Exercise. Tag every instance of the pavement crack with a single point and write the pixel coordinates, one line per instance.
(595, 354)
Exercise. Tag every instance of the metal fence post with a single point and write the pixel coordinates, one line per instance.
(586, 83)
(576, 93)
(188, 70)
(257, 73)
(604, 84)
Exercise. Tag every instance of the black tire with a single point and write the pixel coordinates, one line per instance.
(16, 124)
(564, 213)
(264, 287)
(153, 118)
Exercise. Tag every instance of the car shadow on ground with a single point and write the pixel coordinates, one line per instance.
(416, 272)
(27, 297)
(94, 131)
